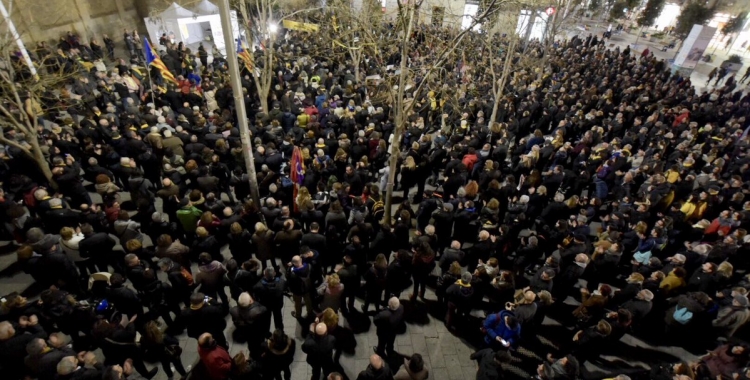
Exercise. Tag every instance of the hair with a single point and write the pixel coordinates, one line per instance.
(164, 241)
(409, 163)
(260, 228)
(455, 268)
(133, 245)
(333, 280)
(279, 340)
(102, 179)
(330, 318)
(493, 204)
(604, 327)
(725, 269)
(471, 189)
(545, 297)
(207, 218)
(381, 261)
(235, 228)
(416, 363)
(153, 333)
(66, 233)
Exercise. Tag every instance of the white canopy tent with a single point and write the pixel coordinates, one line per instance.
(205, 8)
(191, 27)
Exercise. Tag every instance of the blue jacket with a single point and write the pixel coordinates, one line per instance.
(496, 327)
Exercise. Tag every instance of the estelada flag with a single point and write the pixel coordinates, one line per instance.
(244, 55)
(152, 59)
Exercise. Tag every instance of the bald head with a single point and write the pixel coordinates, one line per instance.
(321, 329)
(376, 361)
(394, 303)
(6, 330)
(205, 340)
(166, 182)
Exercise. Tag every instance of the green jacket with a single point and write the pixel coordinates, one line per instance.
(189, 217)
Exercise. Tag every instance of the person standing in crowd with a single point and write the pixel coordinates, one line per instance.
(319, 348)
(389, 323)
(214, 357)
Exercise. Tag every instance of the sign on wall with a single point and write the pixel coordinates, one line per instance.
(694, 47)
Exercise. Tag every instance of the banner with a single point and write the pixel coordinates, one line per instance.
(694, 46)
(301, 26)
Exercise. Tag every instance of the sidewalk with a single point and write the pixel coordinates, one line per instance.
(699, 76)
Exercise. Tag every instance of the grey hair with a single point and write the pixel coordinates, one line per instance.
(67, 366)
(34, 235)
(35, 347)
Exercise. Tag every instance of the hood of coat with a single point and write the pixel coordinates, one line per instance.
(210, 267)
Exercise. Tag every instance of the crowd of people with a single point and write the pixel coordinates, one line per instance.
(601, 166)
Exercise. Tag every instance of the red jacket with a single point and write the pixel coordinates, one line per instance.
(217, 361)
(469, 160)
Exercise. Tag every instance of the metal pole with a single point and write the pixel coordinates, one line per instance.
(17, 38)
(239, 102)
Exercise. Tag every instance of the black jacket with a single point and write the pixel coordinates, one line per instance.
(390, 322)
(207, 319)
(370, 373)
(319, 349)
(252, 321)
(96, 246)
(13, 351)
(489, 369)
(271, 292)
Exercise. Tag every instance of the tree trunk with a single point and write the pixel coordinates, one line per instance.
(356, 60)
(400, 117)
(38, 156)
(503, 79)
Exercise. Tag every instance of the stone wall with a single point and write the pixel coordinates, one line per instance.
(48, 20)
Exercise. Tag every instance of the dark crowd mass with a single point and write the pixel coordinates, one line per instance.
(607, 199)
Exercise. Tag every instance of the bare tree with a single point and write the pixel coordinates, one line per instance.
(21, 104)
(407, 16)
(261, 22)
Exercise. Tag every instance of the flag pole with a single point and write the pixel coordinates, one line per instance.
(148, 71)
(239, 101)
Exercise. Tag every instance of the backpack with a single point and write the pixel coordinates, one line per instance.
(28, 198)
(188, 277)
(682, 315)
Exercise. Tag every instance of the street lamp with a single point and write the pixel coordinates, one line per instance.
(273, 28)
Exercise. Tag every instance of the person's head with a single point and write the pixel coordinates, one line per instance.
(36, 347)
(6, 330)
(511, 322)
(269, 273)
(132, 260)
(67, 365)
(206, 341)
(279, 340)
(245, 300)
(321, 329)
(297, 261)
(381, 261)
(603, 327)
(394, 303)
(197, 300)
(376, 362)
(416, 363)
